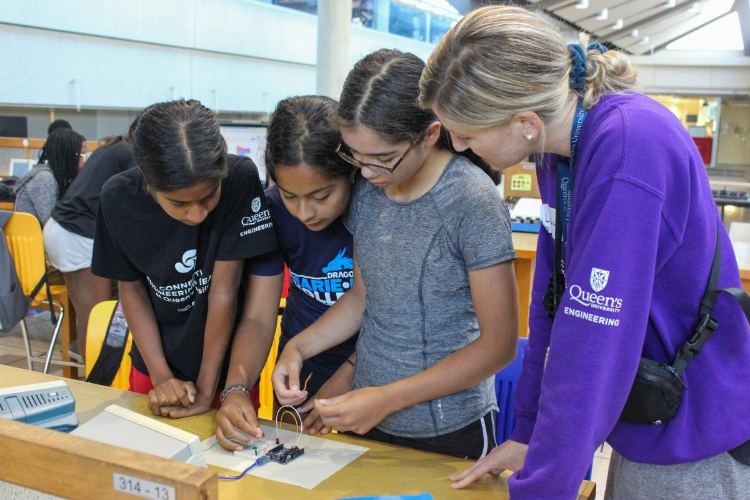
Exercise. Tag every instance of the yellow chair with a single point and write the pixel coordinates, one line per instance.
(99, 320)
(26, 245)
(266, 387)
(97, 329)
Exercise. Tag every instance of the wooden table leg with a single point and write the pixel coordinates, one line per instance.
(524, 278)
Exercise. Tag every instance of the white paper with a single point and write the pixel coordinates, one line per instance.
(322, 459)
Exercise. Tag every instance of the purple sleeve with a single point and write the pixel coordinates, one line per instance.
(526, 400)
(597, 336)
(268, 264)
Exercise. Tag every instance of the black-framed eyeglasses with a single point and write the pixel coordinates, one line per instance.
(344, 155)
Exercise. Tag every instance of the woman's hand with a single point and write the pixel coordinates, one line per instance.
(356, 411)
(169, 394)
(285, 377)
(508, 456)
(237, 419)
(340, 383)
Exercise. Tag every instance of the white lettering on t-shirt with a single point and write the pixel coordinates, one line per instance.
(595, 301)
(181, 292)
(599, 320)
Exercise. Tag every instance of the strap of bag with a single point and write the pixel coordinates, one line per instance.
(707, 324)
(45, 282)
(110, 356)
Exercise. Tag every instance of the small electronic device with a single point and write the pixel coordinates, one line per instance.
(48, 404)
(282, 455)
(121, 427)
(19, 167)
(525, 215)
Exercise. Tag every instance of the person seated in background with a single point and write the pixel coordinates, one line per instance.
(57, 124)
(69, 233)
(62, 156)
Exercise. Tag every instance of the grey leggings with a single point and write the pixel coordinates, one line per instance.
(716, 478)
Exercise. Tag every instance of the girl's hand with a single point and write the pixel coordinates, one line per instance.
(508, 456)
(170, 393)
(340, 383)
(285, 377)
(202, 404)
(357, 411)
(237, 418)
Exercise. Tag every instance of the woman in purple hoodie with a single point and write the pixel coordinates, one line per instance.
(628, 207)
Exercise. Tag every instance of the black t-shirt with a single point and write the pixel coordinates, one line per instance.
(76, 210)
(135, 239)
(322, 270)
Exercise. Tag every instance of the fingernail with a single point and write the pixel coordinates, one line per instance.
(322, 401)
(295, 388)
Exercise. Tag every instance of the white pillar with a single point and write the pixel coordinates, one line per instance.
(334, 23)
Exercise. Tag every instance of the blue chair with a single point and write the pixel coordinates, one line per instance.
(506, 381)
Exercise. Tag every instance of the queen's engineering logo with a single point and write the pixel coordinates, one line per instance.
(338, 276)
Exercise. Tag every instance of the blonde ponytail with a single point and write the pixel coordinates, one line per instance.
(606, 73)
(500, 60)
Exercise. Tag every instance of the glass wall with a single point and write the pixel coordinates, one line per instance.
(720, 128)
(423, 20)
(700, 116)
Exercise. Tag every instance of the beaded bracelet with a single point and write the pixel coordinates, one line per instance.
(228, 390)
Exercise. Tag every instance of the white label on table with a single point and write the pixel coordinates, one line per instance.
(143, 488)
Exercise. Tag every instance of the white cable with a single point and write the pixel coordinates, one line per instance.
(278, 422)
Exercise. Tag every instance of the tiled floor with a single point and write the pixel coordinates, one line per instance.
(12, 352)
(601, 466)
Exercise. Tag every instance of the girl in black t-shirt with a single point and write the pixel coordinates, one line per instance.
(175, 233)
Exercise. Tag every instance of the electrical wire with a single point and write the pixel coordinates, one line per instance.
(296, 425)
(300, 430)
(261, 461)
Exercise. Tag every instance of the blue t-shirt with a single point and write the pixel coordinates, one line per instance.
(322, 268)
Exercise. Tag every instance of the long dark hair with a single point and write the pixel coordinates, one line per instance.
(61, 152)
(381, 92)
(177, 144)
(305, 129)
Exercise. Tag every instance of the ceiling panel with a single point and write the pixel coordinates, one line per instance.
(652, 18)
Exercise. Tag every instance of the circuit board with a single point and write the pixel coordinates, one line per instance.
(282, 455)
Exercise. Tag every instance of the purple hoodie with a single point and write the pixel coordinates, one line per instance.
(642, 235)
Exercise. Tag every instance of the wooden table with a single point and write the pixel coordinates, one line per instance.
(383, 470)
(742, 252)
(525, 245)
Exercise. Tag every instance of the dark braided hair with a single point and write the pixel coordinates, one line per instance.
(305, 129)
(381, 93)
(61, 152)
(177, 144)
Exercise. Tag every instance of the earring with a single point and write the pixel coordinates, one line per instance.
(529, 137)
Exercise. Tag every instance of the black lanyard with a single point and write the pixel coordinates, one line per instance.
(564, 198)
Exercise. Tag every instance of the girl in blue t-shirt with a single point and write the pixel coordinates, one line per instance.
(310, 196)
